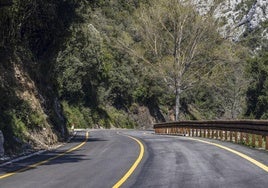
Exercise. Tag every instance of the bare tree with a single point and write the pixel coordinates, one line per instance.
(178, 42)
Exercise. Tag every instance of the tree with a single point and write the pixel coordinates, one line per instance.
(78, 68)
(257, 93)
(177, 42)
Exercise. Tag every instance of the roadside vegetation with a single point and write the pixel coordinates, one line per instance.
(104, 64)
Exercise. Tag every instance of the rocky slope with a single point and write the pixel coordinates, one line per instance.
(237, 16)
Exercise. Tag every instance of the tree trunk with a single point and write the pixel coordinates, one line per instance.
(177, 103)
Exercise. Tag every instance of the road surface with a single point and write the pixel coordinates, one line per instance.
(106, 156)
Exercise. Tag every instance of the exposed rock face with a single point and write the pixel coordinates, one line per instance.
(237, 16)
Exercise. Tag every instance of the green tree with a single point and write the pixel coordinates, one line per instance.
(79, 66)
(257, 93)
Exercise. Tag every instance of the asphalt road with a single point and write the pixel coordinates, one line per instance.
(168, 161)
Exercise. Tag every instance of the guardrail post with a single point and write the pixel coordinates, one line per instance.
(231, 136)
(253, 140)
(225, 135)
(247, 138)
(235, 137)
(241, 137)
(259, 141)
(266, 143)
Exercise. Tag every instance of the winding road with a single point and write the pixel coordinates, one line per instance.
(128, 158)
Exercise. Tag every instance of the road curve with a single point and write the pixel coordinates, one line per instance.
(168, 161)
(175, 161)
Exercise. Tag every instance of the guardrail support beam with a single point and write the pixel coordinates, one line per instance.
(253, 140)
(259, 141)
(266, 143)
(247, 139)
(241, 137)
(235, 137)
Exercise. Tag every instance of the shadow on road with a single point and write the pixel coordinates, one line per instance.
(55, 157)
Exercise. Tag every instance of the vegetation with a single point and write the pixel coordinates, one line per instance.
(257, 98)
(98, 63)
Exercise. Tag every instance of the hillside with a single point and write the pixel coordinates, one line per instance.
(107, 64)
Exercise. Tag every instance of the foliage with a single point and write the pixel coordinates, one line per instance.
(257, 100)
(121, 119)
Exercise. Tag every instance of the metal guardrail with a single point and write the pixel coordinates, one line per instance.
(249, 132)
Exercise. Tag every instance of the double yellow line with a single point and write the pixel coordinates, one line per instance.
(45, 161)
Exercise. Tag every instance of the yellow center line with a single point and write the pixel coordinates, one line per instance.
(134, 166)
(255, 162)
(45, 161)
